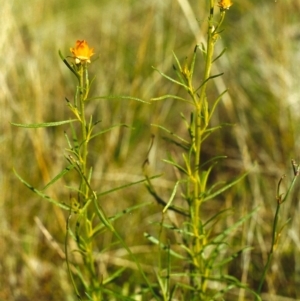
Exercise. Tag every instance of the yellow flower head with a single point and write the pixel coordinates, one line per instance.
(82, 52)
(225, 4)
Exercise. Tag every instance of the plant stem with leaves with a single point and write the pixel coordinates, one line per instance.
(202, 117)
(281, 198)
(203, 249)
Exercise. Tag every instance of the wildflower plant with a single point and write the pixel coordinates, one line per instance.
(276, 229)
(84, 205)
(206, 253)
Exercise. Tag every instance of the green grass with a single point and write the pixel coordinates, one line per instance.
(261, 72)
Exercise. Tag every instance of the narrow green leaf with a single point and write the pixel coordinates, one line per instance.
(101, 227)
(211, 77)
(171, 96)
(89, 297)
(205, 175)
(224, 188)
(58, 176)
(216, 103)
(38, 192)
(115, 275)
(109, 129)
(174, 228)
(163, 284)
(171, 79)
(171, 197)
(228, 231)
(160, 201)
(68, 140)
(222, 52)
(75, 140)
(161, 245)
(215, 216)
(194, 60)
(209, 131)
(231, 257)
(170, 132)
(214, 159)
(235, 283)
(118, 97)
(180, 71)
(128, 210)
(68, 65)
(180, 168)
(125, 186)
(43, 125)
(177, 62)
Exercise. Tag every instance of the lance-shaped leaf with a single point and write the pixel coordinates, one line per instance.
(43, 125)
(162, 246)
(41, 194)
(224, 188)
(171, 79)
(68, 65)
(171, 96)
(58, 176)
(118, 97)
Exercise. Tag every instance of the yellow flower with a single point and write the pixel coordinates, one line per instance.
(82, 52)
(225, 4)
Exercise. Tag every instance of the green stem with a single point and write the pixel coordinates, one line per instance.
(83, 88)
(200, 126)
(275, 234)
(88, 258)
(271, 252)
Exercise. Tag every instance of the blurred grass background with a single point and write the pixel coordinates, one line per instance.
(260, 70)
